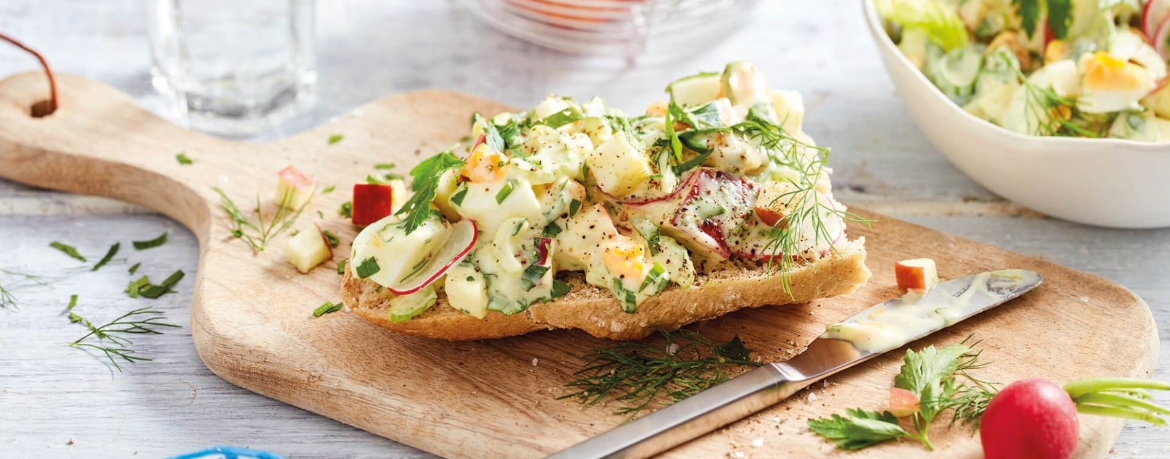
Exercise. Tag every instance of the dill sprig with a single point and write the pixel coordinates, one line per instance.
(7, 298)
(1055, 115)
(112, 337)
(638, 375)
(262, 230)
(788, 234)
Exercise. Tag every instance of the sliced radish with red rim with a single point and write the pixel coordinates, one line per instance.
(461, 238)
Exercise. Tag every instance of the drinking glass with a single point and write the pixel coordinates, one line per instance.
(233, 67)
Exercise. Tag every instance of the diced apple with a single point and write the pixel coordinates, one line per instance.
(371, 202)
(789, 106)
(618, 167)
(1159, 100)
(918, 275)
(903, 402)
(307, 249)
(294, 189)
(398, 194)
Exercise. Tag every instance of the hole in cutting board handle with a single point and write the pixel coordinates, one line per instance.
(42, 109)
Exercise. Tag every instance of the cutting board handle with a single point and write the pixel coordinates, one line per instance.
(99, 142)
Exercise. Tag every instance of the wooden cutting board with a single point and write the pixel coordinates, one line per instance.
(252, 324)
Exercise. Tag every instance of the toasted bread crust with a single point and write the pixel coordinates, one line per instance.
(595, 311)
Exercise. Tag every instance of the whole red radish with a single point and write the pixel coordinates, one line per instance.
(1030, 419)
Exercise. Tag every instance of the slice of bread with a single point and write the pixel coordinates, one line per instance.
(594, 310)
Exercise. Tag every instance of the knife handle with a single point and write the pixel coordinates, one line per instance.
(693, 417)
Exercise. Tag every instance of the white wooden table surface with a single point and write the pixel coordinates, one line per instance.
(58, 402)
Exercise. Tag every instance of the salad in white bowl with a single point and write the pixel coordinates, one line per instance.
(1098, 177)
(1069, 68)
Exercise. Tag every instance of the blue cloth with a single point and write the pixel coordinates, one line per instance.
(228, 452)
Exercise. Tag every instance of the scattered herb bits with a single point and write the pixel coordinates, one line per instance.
(327, 308)
(152, 243)
(331, 238)
(109, 256)
(367, 268)
(328, 189)
(73, 317)
(134, 269)
(341, 266)
(68, 250)
(183, 159)
(346, 209)
(111, 339)
(333, 139)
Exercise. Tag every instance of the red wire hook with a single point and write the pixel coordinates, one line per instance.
(48, 73)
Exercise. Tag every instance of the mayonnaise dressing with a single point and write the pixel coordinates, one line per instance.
(896, 322)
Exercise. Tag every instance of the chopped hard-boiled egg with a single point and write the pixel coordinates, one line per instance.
(467, 290)
(618, 166)
(624, 259)
(485, 165)
(1111, 84)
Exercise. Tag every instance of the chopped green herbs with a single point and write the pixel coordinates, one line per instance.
(333, 139)
(384, 166)
(655, 278)
(638, 376)
(457, 198)
(327, 308)
(109, 256)
(560, 288)
(152, 243)
(331, 238)
(574, 206)
(562, 118)
(67, 250)
(183, 159)
(341, 266)
(73, 317)
(134, 269)
(7, 298)
(143, 288)
(328, 189)
(367, 268)
(346, 209)
(504, 192)
(552, 230)
(532, 276)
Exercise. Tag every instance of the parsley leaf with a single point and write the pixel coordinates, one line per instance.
(424, 182)
(858, 428)
(1029, 12)
(1059, 17)
(924, 372)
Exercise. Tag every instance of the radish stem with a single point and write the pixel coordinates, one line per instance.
(1121, 401)
(1084, 386)
(1118, 412)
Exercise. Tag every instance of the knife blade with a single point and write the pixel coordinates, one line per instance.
(867, 334)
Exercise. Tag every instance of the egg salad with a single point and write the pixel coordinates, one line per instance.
(1074, 68)
(718, 173)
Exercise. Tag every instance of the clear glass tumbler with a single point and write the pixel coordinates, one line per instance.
(234, 67)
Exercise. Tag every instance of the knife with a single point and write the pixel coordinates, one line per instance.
(869, 333)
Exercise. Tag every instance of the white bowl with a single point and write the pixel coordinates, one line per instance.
(1105, 182)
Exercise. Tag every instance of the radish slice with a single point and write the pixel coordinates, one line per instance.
(1162, 37)
(461, 237)
(1153, 15)
(682, 186)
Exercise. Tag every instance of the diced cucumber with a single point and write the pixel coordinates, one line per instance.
(694, 90)
(955, 72)
(405, 307)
